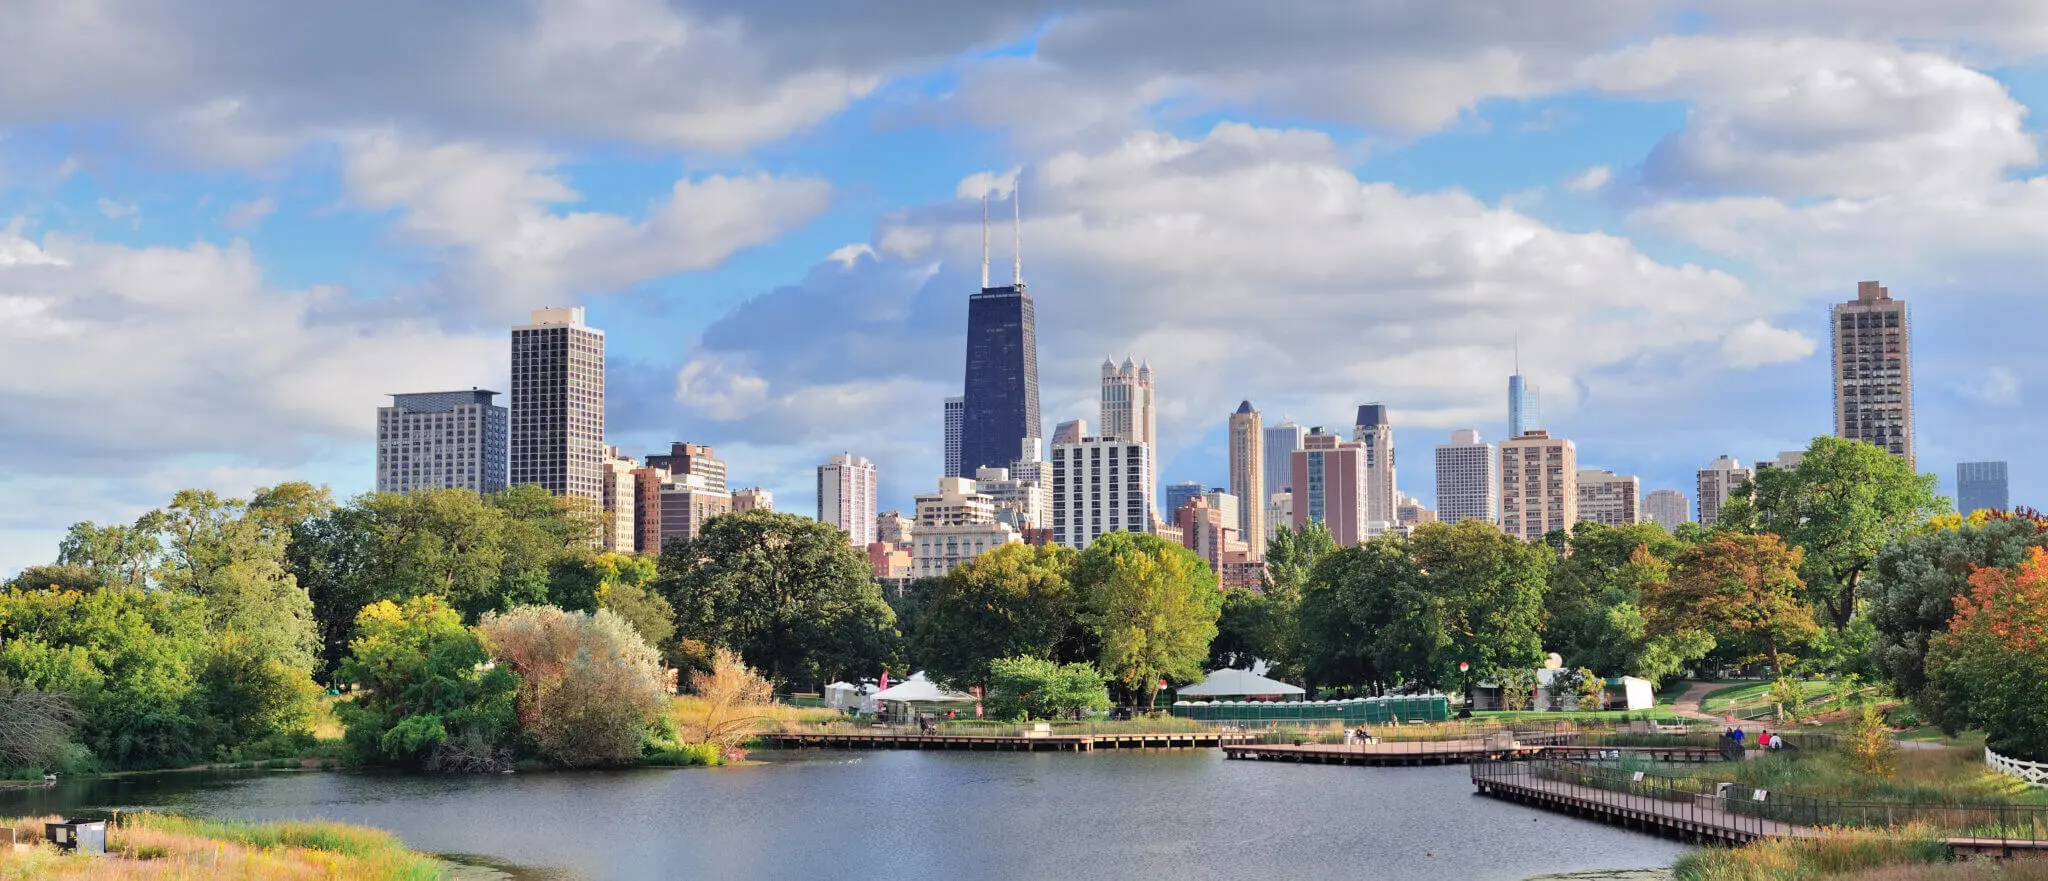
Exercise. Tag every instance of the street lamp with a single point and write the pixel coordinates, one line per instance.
(1465, 669)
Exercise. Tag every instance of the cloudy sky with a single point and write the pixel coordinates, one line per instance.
(228, 229)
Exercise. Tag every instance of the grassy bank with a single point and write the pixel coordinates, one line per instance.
(1946, 776)
(162, 846)
(1894, 855)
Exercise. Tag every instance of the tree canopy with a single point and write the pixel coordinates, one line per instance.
(1016, 601)
(1153, 607)
(1991, 667)
(1741, 590)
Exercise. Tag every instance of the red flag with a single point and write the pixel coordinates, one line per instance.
(885, 681)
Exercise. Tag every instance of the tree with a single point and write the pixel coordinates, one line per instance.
(1290, 557)
(1591, 689)
(429, 700)
(1251, 629)
(127, 659)
(118, 556)
(786, 592)
(588, 684)
(1035, 688)
(1594, 604)
(1152, 607)
(35, 726)
(1517, 689)
(1344, 624)
(1481, 601)
(1913, 585)
(733, 698)
(1840, 505)
(1871, 747)
(1991, 667)
(60, 576)
(1017, 600)
(1740, 589)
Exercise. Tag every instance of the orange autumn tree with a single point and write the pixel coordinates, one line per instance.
(1993, 661)
(1740, 589)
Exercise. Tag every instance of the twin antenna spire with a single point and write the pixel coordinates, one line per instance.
(1017, 248)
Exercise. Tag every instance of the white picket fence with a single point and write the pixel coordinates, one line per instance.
(2034, 773)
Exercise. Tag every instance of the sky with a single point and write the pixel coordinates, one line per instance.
(229, 229)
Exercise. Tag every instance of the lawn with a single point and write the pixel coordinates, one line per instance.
(1724, 700)
(1607, 717)
(1968, 741)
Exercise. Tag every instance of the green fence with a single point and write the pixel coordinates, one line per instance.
(1366, 710)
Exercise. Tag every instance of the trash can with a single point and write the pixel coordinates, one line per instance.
(80, 836)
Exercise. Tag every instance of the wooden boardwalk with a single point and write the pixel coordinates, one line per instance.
(1702, 819)
(1083, 742)
(1448, 752)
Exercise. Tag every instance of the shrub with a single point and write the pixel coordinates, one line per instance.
(430, 701)
(1870, 744)
(732, 701)
(589, 685)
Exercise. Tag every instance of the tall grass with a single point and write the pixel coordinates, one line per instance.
(1945, 777)
(163, 846)
(1838, 854)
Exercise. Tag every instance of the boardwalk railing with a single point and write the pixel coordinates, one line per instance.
(2032, 773)
(1752, 812)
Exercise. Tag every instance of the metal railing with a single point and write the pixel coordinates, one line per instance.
(1743, 811)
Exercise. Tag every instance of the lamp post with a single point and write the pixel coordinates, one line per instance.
(1465, 669)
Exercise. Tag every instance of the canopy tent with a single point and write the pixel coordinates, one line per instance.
(919, 690)
(847, 696)
(1230, 682)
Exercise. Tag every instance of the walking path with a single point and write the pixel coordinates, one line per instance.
(1688, 704)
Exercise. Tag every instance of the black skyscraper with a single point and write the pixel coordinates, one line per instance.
(1002, 378)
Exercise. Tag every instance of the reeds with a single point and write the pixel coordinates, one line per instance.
(173, 848)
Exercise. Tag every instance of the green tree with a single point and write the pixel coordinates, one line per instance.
(589, 686)
(1344, 625)
(1290, 556)
(1035, 688)
(1840, 505)
(1913, 585)
(786, 592)
(1151, 606)
(118, 556)
(627, 590)
(128, 659)
(429, 700)
(1481, 602)
(1017, 600)
(1251, 629)
(58, 576)
(1740, 589)
(1594, 603)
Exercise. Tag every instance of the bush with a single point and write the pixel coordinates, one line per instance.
(589, 686)
(430, 701)
(1035, 688)
(732, 700)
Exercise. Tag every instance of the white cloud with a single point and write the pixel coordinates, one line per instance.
(1757, 343)
(243, 215)
(847, 255)
(495, 210)
(1591, 180)
(113, 210)
(1994, 386)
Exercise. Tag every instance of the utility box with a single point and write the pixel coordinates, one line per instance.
(78, 836)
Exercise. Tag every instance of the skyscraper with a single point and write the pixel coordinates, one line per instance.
(956, 409)
(1667, 508)
(1981, 486)
(1375, 432)
(1178, 494)
(1716, 481)
(1467, 479)
(687, 459)
(1281, 442)
(557, 415)
(1248, 477)
(621, 495)
(1000, 407)
(1329, 481)
(1873, 362)
(1099, 486)
(846, 497)
(1525, 407)
(441, 440)
(1539, 485)
(1610, 498)
(1127, 407)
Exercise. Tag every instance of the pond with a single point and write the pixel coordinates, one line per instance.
(1104, 815)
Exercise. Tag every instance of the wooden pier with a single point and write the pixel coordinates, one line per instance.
(1083, 742)
(1702, 819)
(1450, 752)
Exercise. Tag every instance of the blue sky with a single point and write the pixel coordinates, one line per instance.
(225, 234)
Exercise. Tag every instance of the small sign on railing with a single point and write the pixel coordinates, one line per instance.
(1757, 795)
(1638, 777)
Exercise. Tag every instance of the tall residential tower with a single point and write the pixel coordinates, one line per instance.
(558, 404)
(1873, 362)
(441, 440)
(1375, 432)
(1248, 477)
(846, 497)
(1467, 479)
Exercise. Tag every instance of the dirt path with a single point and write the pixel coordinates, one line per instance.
(1688, 704)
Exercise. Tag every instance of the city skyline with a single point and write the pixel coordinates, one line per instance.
(233, 264)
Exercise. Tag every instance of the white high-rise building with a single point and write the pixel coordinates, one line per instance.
(1128, 413)
(620, 493)
(1279, 512)
(1281, 442)
(1720, 477)
(1872, 350)
(1100, 485)
(1610, 498)
(1020, 503)
(958, 502)
(558, 404)
(1032, 466)
(1539, 492)
(1467, 479)
(441, 440)
(846, 497)
(1375, 431)
(1667, 508)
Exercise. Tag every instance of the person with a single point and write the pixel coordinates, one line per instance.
(1737, 735)
(1364, 735)
(1763, 738)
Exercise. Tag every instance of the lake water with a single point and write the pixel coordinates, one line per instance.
(918, 815)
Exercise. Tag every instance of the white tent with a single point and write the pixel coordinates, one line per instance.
(1233, 682)
(847, 696)
(919, 690)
